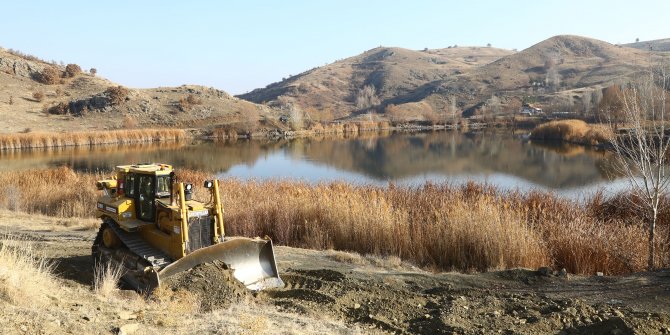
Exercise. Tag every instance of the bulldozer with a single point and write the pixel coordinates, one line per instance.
(153, 229)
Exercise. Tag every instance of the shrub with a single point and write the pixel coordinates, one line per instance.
(83, 111)
(60, 109)
(72, 70)
(49, 76)
(38, 96)
(183, 104)
(129, 122)
(117, 94)
(575, 131)
(193, 100)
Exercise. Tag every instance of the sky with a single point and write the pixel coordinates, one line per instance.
(240, 45)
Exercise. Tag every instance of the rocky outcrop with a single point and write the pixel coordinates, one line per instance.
(99, 102)
(18, 66)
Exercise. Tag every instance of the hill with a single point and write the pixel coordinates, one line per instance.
(655, 45)
(337, 89)
(38, 95)
(560, 71)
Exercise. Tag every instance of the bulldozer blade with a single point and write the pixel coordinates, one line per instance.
(252, 261)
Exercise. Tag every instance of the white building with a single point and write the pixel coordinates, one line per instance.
(530, 110)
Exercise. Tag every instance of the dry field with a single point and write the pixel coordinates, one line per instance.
(49, 285)
(380, 269)
(438, 227)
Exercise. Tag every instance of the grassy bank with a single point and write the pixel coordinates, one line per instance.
(48, 140)
(573, 131)
(442, 227)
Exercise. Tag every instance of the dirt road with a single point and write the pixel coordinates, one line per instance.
(360, 294)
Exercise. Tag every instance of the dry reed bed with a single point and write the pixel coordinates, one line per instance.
(573, 131)
(442, 227)
(88, 138)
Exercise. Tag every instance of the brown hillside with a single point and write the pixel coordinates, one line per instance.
(655, 45)
(393, 72)
(87, 104)
(575, 62)
(558, 71)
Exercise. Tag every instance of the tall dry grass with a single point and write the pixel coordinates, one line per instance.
(88, 138)
(574, 131)
(26, 276)
(439, 226)
(57, 192)
(106, 277)
(469, 227)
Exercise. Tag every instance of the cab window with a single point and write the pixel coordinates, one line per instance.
(163, 187)
(129, 186)
(146, 197)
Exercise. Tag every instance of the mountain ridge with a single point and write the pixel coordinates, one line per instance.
(467, 77)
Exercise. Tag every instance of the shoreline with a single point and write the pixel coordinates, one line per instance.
(49, 140)
(45, 139)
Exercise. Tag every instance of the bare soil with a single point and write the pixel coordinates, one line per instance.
(213, 284)
(347, 293)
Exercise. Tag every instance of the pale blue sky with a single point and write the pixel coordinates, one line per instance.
(241, 45)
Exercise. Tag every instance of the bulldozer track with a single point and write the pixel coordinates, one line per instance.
(136, 245)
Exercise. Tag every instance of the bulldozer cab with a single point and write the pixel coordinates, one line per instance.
(144, 189)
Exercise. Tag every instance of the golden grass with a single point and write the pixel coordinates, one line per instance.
(106, 276)
(173, 305)
(57, 192)
(438, 226)
(443, 227)
(88, 138)
(26, 276)
(574, 131)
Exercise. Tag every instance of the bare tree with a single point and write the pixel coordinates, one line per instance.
(450, 112)
(295, 117)
(586, 102)
(641, 151)
(552, 78)
(596, 97)
(494, 104)
(367, 97)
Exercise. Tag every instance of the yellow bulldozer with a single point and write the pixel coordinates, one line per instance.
(153, 228)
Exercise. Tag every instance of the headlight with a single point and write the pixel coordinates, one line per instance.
(209, 184)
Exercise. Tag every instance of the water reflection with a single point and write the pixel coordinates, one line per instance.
(494, 157)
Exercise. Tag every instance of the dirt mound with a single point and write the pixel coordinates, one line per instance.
(214, 285)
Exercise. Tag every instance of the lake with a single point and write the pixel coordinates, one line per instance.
(498, 158)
